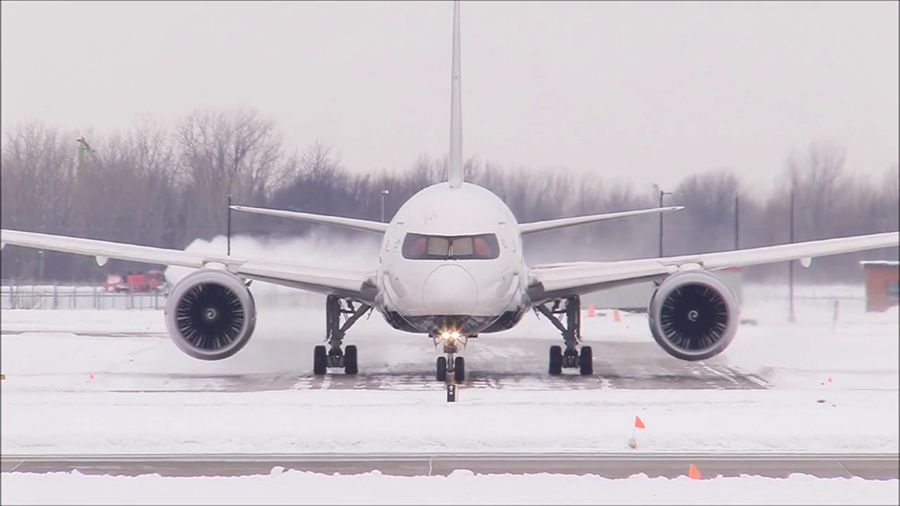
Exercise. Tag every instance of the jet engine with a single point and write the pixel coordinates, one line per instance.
(693, 315)
(210, 314)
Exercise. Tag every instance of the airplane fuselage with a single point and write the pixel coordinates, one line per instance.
(452, 261)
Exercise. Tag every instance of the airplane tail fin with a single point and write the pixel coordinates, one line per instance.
(455, 162)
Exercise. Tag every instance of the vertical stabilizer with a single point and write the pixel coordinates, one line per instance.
(455, 162)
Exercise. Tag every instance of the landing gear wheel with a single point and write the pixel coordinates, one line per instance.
(565, 315)
(350, 366)
(340, 315)
(442, 369)
(586, 361)
(556, 360)
(320, 360)
(459, 370)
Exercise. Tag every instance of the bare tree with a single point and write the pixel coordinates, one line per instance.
(169, 187)
(221, 153)
(815, 179)
(707, 222)
(37, 187)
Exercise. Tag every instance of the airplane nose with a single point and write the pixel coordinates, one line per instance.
(450, 290)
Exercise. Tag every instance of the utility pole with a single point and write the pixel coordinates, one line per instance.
(737, 243)
(792, 317)
(661, 195)
(40, 279)
(228, 226)
(384, 194)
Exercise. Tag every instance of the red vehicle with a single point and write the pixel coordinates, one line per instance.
(136, 282)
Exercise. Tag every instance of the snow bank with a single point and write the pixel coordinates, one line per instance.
(461, 487)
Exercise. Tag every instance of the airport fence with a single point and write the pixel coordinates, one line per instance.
(19, 295)
(842, 303)
(53, 296)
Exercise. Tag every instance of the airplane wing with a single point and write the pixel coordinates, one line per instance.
(371, 226)
(539, 226)
(355, 283)
(550, 281)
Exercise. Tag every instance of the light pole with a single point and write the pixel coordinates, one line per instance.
(737, 214)
(384, 194)
(228, 226)
(661, 195)
(792, 317)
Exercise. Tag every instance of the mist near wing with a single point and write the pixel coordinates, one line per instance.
(318, 247)
(289, 321)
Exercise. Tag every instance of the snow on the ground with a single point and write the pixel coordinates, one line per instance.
(461, 487)
(859, 351)
(361, 421)
(859, 411)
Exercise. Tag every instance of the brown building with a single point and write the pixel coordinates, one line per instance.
(882, 284)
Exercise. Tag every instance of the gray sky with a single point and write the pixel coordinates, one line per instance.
(644, 91)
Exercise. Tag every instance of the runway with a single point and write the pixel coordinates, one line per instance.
(403, 363)
(608, 465)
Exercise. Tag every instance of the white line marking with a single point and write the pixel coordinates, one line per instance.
(719, 373)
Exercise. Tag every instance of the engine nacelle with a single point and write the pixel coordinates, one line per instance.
(210, 314)
(693, 315)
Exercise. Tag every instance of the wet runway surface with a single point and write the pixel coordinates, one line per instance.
(408, 364)
(699, 378)
(879, 467)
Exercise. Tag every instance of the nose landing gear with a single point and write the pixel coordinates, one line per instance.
(450, 363)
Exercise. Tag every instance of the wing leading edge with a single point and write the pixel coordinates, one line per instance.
(539, 226)
(356, 283)
(578, 278)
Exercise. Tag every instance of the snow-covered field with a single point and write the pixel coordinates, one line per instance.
(462, 487)
(60, 396)
(60, 392)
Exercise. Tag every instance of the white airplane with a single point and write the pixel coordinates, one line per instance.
(451, 266)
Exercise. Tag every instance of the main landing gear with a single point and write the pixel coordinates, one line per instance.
(334, 356)
(450, 363)
(569, 358)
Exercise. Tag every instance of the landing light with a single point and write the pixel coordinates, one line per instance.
(450, 336)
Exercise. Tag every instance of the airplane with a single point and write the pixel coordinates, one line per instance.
(451, 266)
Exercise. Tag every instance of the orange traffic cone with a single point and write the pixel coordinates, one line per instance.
(694, 473)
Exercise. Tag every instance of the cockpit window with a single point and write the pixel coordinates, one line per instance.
(433, 247)
(438, 246)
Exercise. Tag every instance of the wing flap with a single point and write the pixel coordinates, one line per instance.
(106, 249)
(578, 278)
(560, 281)
(315, 278)
(785, 252)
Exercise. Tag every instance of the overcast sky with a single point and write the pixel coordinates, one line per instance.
(644, 91)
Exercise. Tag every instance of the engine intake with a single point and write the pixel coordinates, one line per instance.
(210, 314)
(693, 315)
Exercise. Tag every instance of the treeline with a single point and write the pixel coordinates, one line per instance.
(168, 187)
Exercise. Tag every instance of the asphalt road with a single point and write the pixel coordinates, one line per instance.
(619, 465)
